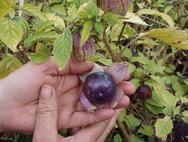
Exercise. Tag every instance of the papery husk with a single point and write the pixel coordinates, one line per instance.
(84, 52)
(117, 6)
(118, 71)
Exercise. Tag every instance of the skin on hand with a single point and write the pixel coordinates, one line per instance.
(20, 93)
(46, 122)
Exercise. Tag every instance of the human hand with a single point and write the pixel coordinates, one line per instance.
(46, 122)
(20, 93)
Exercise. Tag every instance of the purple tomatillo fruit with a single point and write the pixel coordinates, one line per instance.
(100, 86)
(84, 52)
(144, 92)
(117, 6)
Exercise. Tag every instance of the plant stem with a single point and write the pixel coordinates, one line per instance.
(154, 21)
(21, 3)
(122, 30)
(140, 115)
(121, 52)
(124, 131)
(107, 44)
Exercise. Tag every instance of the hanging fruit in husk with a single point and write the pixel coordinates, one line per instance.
(117, 6)
(85, 51)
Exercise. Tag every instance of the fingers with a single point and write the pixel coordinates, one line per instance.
(88, 134)
(73, 66)
(127, 87)
(96, 132)
(124, 102)
(109, 127)
(85, 118)
(46, 121)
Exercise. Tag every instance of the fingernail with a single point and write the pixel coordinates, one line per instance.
(46, 92)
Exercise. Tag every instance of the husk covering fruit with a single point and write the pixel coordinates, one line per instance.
(117, 6)
(85, 51)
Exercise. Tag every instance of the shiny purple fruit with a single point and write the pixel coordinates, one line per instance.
(99, 88)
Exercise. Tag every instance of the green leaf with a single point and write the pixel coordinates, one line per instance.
(122, 115)
(111, 18)
(177, 111)
(132, 18)
(117, 138)
(85, 32)
(5, 7)
(134, 138)
(170, 79)
(147, 42)
(139, 73)
(43, 26)
(58, 21)
(35, 11)
(88, 10)
(178, 88)
(155, 100)
(132, 121)
(129, 32)
(23, 23)
(185, 115)
(168, 98)
(11, 33)
(184, 100)
(163, 127)
(164, 16)
(63, 48)
(146, 130)
(136, 82)
(186, 81)
(171, 36)
(42, 54)
(131, 68)
(8, 64)
(154, 104)
(128, 53)
(71, 13)
(141, 59)
(154, 109)
(43, 36)
(99, 27)
(154, 67)
(158, 84)
(115, 31)
(101, 59)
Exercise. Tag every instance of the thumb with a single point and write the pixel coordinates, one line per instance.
(46, 119)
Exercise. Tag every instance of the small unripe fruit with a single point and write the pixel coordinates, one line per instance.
(100, 88)
(117, 6)
(144, 92)
(86, 51)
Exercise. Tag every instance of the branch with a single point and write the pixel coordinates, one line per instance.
(122, 30)
(121, 52)
(124, 131)
(154, 21)
(107, 44)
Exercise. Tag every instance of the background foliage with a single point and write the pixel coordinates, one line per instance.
(152, 37)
